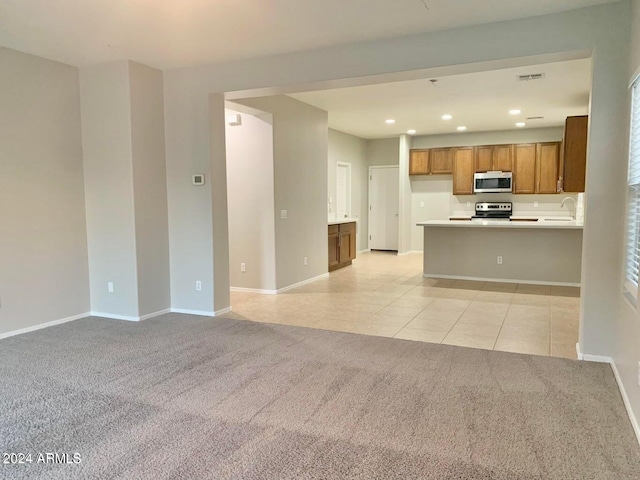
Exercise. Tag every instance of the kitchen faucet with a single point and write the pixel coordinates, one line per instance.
(574, 205)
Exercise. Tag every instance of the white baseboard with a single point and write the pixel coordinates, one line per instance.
(221, 311)
(409, 252)
(155, 314)
(280, 290)
(253, 290)
(201, 313)
(303, 282)
(113, 316)
(623, 392)
(625, 400)
(366, 250)
(44, 325)
(501, 280)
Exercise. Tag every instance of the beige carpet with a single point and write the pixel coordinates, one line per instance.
(192, 397)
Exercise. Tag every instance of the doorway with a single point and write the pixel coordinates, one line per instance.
(384, 199)
(343, 190)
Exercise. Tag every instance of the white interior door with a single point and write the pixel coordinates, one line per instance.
(384, 197)
(343, 190)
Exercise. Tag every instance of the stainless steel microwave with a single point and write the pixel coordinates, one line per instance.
(493, 182)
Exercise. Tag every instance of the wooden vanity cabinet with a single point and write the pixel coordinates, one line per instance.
(342, 245)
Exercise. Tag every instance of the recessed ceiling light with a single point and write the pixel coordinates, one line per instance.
(520, 124)
(411, 132)
(446, 116)
(462, 128)
(515, 111)
(390, 121)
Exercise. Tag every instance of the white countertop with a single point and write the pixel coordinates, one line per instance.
(344, 220)
(545, 222)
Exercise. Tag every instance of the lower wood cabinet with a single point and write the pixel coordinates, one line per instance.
(342, 245)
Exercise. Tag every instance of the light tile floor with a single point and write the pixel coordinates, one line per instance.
(385, 294)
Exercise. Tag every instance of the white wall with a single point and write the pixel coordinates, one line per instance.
(602, 30)
(149, 188)
(125, 184)
(43, 243)
(626, 326)
(251, 202)
(466, 139)
(353, 150)
(300, 143)
(383, 151)
(108, 177)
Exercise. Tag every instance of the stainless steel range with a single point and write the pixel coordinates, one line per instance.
(493, 210)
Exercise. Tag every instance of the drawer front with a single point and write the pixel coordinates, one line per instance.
(333, 229)
(347, 227)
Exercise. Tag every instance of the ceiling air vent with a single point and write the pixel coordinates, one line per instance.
(535, 118)
(532, 76)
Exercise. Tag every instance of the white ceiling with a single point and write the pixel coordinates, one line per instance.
(176, 33)
(480, 101)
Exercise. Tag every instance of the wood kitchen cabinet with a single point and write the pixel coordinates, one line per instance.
(441, 160)
(524, 168)
(573, 163)
(342, 245)
(419, 162)
(535, 167)
(463, 169)
(434, 161)
(547, 164)
(493, 158)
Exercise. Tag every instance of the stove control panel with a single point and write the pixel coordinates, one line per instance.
(502, 207)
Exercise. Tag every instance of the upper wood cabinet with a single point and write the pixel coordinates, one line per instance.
(535, 167)
(574, 154)
(441, 160)
(419, 162)
(548, 159)
(463, 167)
(430, 161)
(503, 158)
(524, 168)
(493, 157)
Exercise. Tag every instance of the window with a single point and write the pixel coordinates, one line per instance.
(632, 260)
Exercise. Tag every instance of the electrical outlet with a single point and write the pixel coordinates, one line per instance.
(283, 214)
(198, 286)
(535, 204)
(243, 267)
(110, 287)
(499, 260)
(305, 261)
(468, 204)
(421, 204)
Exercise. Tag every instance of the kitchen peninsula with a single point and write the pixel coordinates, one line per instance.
(526, 250)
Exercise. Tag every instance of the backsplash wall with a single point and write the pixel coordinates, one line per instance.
(432, 199)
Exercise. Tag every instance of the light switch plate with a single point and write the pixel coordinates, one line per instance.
(283, 214)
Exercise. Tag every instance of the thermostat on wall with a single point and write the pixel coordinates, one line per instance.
(198, 179)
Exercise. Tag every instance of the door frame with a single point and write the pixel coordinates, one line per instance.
(348, 165)
(371, 168)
